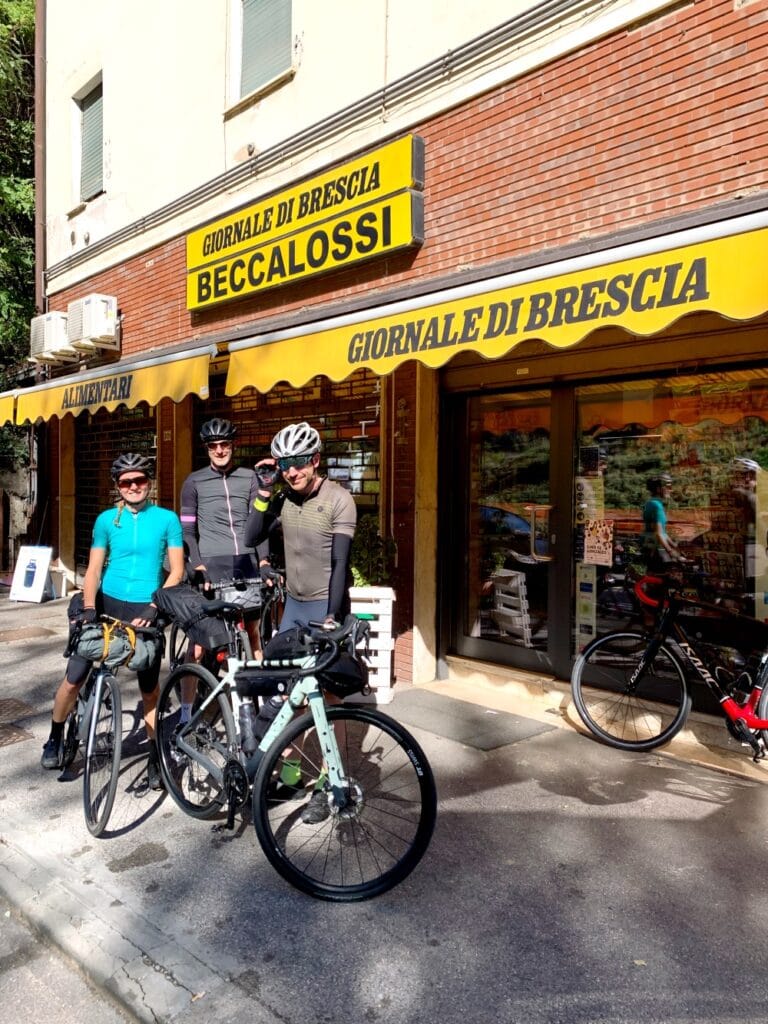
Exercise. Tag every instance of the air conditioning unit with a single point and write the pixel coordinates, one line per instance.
(49, 342)
(92, 323)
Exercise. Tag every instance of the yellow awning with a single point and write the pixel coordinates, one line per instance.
(125, 383)
(641, 288)
(6, 407)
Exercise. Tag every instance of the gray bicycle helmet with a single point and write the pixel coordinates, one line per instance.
(217, 430)
(295, 439)
(132, 461)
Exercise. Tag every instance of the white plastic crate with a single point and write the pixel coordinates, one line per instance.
(374, 604)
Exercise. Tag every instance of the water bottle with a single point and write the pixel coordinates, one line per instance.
(266, 716)
(29, 573)
(245, 718)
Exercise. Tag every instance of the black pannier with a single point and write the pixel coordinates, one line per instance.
(347, 675)
(187, 607)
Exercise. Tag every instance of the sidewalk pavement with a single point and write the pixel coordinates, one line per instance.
(184, 921)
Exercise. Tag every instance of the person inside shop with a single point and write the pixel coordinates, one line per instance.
(126, 566)
(317, 519)
(215, 502)
(751, 525)
(659, 548)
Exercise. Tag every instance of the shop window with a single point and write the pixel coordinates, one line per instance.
(696, 446)
(505, 587)
(91, 144)
(266, 43)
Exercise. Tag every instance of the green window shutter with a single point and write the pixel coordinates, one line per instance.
(267, 46)
(92, 143)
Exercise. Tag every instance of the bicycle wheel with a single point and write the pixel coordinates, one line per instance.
(71, 739)
(629, 713)
(762, 712)
(178, 642)
(103, 747)
(376, 836)
(194, 776)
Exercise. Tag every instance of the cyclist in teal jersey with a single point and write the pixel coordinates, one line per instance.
(125, 568)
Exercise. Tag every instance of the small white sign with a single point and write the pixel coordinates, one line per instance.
(31, 577)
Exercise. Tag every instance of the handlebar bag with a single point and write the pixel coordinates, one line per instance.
(100, 641)
(347, 675)
(187, 607)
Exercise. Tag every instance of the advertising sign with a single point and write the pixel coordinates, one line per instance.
(31, 579)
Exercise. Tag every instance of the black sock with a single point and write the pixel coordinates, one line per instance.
(57, 730)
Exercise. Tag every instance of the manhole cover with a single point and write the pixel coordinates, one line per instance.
(11, 710)
(25, 633)
(12, 734)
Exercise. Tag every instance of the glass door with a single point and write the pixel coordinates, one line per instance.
(504, 531)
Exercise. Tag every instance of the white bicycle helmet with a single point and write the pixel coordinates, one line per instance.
(295, 439)
(746, 465)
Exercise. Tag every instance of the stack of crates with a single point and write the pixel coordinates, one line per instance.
(374, 605)
(510, 605)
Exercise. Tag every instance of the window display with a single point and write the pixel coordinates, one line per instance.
(671, 472)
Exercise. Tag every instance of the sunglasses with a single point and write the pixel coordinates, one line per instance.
(133, 481)
(226, 445)
(294, 462)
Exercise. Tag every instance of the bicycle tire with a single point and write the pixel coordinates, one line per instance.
(178, 642)
(195, 782)
(71, 738)
(371, 844)
(103, 748)
(630, 716)
(762, 712)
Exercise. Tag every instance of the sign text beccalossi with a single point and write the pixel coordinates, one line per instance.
(365, 208)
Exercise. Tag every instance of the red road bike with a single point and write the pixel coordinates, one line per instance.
(631, 688)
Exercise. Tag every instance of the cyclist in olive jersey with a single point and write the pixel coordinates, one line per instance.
(317, 518)
(125, 567)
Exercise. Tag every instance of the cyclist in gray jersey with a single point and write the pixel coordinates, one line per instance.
(214, 508)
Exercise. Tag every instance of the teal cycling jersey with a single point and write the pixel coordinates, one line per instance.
(136, 545)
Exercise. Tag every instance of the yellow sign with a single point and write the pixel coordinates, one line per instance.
(360, 209)
(172, 377)
(643, 295)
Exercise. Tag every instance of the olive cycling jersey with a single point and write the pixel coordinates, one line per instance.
(136, 544)
(317, 531)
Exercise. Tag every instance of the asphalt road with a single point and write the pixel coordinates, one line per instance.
(566, 882)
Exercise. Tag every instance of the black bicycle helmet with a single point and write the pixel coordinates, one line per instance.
(132, 461)
(295, 439)
(217, 430)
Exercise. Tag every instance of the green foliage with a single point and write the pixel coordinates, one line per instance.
(372, 556)
(17, 200)
(17, 25)
(14, 447)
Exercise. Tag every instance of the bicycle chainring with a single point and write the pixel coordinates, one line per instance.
(235, 784)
